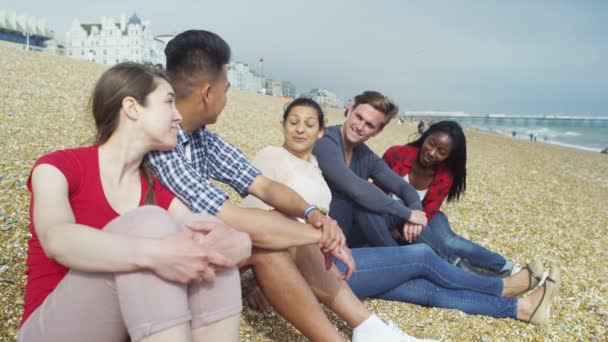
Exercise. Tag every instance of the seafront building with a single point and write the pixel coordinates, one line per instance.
(324, 97)
(24, 32)
(111, 41)
(244, 78)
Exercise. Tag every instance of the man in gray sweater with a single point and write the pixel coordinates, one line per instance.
(348, 163)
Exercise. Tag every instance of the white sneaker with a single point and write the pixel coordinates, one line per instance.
(401, 335)
(383, 332)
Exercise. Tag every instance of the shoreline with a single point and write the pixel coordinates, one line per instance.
(523, 138)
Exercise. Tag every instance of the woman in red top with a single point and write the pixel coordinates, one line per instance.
(435, 165)
(113, 254)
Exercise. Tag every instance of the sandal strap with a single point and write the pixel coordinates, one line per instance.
(532, 274)
(550, 279)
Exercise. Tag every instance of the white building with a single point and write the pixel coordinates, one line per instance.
(324, 97)
(26, 32)
(242, 77)
(112, 41)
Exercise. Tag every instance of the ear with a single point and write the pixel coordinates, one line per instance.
(131, 107)
(204, 92)
(320, 134)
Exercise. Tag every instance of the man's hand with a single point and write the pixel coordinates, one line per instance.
(332, 236)
(232, 244)
(411, 231)
(346, 257)
(418, 217)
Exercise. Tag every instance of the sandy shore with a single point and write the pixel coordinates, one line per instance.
(523, 200)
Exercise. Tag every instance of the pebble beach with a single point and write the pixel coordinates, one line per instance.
(523, 200)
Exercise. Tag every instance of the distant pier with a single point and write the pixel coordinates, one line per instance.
(502, 119)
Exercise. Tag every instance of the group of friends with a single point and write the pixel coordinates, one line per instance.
(131, 235)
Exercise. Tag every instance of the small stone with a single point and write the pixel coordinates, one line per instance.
(3, 269)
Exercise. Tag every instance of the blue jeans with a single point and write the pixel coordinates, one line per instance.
(376, 230)
(439, 236)
(351, 217)
(415, 274)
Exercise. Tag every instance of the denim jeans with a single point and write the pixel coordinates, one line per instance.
(416, 274)
(439, 236)
(375, 229)
(351, 217)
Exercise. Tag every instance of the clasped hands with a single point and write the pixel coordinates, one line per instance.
(332, 242)
(195, 253)
(413, 227)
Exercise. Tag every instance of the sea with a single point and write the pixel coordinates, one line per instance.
(585, 133)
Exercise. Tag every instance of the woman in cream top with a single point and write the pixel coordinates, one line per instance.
(294, 166)
(302, 176)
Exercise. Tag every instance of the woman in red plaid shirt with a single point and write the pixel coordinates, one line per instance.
(435, 165)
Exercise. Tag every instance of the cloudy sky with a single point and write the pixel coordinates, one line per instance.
(519, 57)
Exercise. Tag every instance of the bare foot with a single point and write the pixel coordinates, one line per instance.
(524, 280)
(526, 306)
(517, 283)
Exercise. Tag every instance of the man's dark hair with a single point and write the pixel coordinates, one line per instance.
(195, 56)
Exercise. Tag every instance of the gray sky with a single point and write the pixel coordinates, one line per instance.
(519, 57)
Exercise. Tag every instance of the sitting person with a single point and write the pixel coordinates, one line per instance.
(409, 273)
(347, 163)
(435, 165)
(107, 237)
(197, 63)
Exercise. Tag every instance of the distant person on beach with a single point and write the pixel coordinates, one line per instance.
(114, 255)
(197, 63)
(435, 165)
(409, 273)
(423, 125)
(347, 106)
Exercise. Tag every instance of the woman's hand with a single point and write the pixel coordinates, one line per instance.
(346, 257)
(255, 299)
(332, 236)
(232, 244)
(180, 258)
(418, 217)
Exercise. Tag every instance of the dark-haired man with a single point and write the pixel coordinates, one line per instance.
(197, 64)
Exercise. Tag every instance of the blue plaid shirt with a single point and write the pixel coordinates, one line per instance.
(209, 156)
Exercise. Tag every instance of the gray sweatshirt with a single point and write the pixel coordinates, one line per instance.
(353, 182)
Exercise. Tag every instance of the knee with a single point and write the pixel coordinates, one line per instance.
(421, 252)
(146, 221)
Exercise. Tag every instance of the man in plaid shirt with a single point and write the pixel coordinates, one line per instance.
(197, 64)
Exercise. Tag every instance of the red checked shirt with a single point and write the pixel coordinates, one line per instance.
(401, 160)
